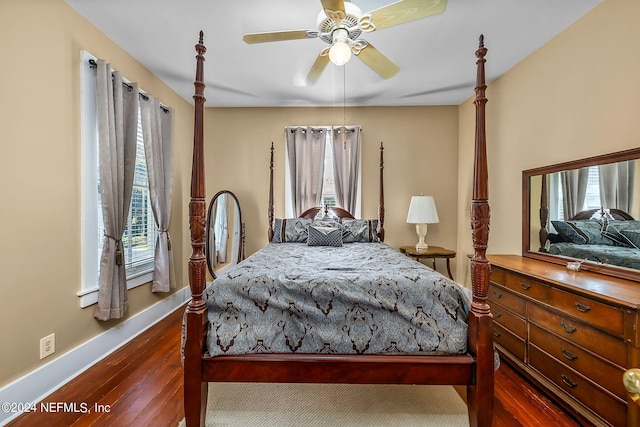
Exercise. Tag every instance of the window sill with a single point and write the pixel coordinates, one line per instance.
(90, 296)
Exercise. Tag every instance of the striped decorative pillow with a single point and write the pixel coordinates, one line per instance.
(291, 230)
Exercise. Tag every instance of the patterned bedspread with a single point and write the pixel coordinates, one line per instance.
(612, 255)
(358, 298)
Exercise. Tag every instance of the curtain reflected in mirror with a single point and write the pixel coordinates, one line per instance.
(586, 210)
(225, 233)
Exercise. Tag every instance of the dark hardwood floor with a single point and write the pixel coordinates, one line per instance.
(141, 385)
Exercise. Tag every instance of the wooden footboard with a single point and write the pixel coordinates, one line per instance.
(474, 369)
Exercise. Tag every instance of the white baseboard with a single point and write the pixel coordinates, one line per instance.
(41, 382)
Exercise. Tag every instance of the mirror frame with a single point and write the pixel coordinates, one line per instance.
(610, 270)
(208, 224)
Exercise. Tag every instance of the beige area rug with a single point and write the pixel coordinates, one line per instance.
(340, 405)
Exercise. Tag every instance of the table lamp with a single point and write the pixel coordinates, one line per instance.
(422, 211)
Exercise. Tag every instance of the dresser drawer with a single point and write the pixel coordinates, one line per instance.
(597, 370)
(607, 346)
(509, 320)
(507, 299)
(497, 275)
(507, 339)
(606, 406)
(595, 313)
(527, 287)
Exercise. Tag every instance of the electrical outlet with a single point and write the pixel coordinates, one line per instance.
(47, 346)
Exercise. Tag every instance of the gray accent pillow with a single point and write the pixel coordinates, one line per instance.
(593, 230)
(324, 236)
(620, 232)
(291, 230)
(327, 222)
(360, 230)
(568, 233)
(632, 236)
(583, 232)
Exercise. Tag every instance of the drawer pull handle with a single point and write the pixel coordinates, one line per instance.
(497, 314)
(525, 286)
(497, 294)
(583, 308)
(568, 329)
(568, 354)
(496, 333)
(568, 381)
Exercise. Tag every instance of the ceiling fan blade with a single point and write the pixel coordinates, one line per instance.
(277, 36)
(334, 9)
(405, 11)
(377, 61)
(318, 67)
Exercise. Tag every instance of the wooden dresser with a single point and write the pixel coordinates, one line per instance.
(572, 333)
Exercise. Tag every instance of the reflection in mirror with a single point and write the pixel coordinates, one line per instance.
(225, 232)
(587, 211)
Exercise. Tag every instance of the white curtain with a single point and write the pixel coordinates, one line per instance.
(616, 185)
(346, 158)
(157, 132)
(222, 227)
(117, 115)
(574, 190)
(305, 150)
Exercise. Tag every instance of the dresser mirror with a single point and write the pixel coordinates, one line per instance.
(224, 233)
(585, 214)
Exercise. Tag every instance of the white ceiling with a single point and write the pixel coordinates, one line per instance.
(435, 54)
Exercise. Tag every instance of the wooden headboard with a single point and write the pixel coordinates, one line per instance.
(330, 211)
(613, 213)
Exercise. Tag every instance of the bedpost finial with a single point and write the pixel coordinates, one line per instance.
(200, 48)
(482, 51)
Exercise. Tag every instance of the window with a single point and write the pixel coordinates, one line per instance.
(592, 196)
(328, 186)
(141, 231)
(329, 197)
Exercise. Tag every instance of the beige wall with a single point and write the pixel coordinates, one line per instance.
(575, 97)
(421, 151)
(40, 43)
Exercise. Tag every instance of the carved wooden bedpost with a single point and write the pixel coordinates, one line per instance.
(195, 391)
(480, 341)
(381, 200)
(270, 212)
(543, 235)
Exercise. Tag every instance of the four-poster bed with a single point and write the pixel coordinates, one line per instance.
(473, 367)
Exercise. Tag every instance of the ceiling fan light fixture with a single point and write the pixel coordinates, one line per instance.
(340, 52)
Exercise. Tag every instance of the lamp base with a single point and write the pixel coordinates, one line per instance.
(421, 231)
(422, 248)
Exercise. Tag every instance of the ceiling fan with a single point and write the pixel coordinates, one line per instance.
(341, 23)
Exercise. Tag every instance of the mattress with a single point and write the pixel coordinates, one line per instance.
(361, 298)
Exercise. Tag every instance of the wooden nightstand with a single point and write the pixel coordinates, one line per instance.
(432, 252)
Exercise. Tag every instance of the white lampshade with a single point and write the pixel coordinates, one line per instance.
(422, 210)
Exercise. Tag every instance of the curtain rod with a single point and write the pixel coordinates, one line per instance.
(293, 129)
(94, 64)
